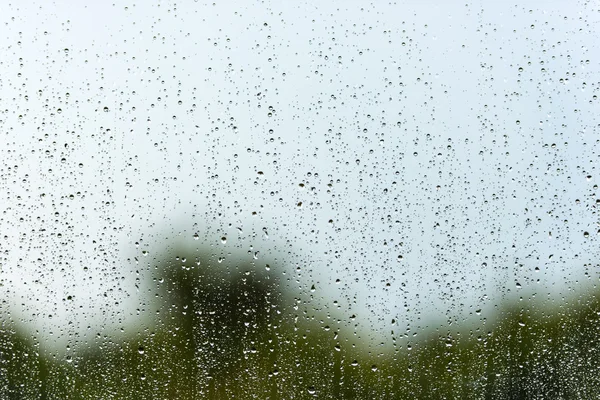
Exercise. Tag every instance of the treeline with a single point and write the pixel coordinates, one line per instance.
(234, 335)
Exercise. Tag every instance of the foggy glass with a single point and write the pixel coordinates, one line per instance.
(362, 200)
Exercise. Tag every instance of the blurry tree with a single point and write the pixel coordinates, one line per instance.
(227, 332)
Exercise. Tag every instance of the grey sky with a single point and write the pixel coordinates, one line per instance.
(458, 137)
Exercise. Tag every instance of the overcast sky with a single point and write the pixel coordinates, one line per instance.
(417, 161)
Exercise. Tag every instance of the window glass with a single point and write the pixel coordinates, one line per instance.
(280, 200)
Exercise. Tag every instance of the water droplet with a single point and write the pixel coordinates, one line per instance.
(224, 240)
(141, 350)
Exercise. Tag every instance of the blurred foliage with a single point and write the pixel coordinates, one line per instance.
(232, 335)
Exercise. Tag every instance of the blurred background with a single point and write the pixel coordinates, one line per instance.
(281, 200)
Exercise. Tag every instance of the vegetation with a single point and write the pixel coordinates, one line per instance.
(218, 336)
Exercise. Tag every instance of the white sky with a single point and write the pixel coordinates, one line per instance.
(384, 101)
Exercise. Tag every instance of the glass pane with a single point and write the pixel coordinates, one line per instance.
(283, 200)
